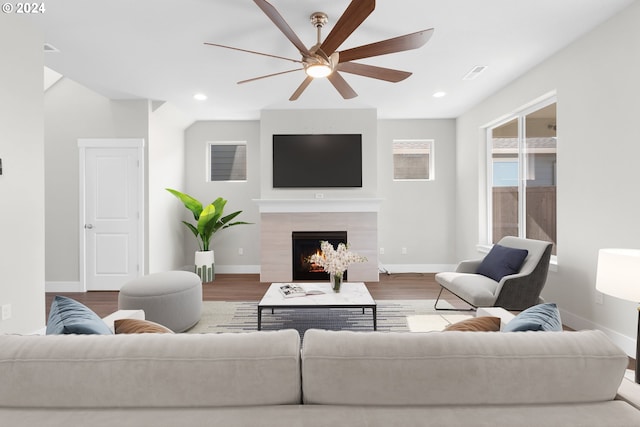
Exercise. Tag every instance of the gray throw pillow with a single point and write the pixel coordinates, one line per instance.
(68, 316)
(541, 317)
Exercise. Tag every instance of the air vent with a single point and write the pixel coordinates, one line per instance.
(475, 72)
(50, 48)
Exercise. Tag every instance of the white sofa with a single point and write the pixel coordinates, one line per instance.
(337, 379)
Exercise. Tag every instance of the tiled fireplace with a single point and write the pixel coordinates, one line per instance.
(358, 218)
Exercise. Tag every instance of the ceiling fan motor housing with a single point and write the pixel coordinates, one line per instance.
(319, 19)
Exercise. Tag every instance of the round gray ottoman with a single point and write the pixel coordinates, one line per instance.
(172, 298)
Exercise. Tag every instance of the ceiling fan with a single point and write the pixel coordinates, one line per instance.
(323, 60)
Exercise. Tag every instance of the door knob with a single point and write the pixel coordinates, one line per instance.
(88, 226)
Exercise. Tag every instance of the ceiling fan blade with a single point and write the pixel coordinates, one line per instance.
(253, 51)
(301, 88)
(374, 72)
(268, 75)
(397, 44)
(277, 19)
(351, 19)
(341, 85)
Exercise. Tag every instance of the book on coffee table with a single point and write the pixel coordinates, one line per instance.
(291, 290)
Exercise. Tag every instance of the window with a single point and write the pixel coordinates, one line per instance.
(227, 161)
(522, 175)
(413, 160)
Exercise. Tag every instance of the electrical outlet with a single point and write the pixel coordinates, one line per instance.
(599, 298)
(240, 251)
(381, 251)
(6, 311)
(404, 251)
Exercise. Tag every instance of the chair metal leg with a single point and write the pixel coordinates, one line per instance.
(435, 304)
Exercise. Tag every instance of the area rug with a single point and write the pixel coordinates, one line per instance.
(434, 322)
(393, 315)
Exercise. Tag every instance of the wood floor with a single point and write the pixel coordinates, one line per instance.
(247, 287)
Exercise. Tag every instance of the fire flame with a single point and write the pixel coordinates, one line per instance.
(313, 267)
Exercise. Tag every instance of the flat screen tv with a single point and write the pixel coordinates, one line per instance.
(317, 161)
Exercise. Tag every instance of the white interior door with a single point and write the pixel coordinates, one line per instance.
(111, 211)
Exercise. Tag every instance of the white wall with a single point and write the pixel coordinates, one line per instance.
(239, 195)
(165, 169)
(72, 111)
(417, 215)
(597, 85)
(22, 212)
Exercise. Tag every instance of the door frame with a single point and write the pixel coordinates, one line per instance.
(83, 145)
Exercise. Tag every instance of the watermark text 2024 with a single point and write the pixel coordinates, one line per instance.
(23, 8)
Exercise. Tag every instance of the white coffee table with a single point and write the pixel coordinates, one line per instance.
(351, 295)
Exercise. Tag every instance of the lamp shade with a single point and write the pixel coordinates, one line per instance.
(618, 273)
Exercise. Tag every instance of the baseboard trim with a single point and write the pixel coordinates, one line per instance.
(63, 287)
(237, 269)
(576, 322)
(384, 268)
(415, 268)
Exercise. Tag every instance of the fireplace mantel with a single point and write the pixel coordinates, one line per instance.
(318, 205)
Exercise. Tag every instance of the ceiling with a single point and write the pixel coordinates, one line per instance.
(154, 49)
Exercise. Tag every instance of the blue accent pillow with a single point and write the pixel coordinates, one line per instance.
(68, 316)
(502, 261)
(541, 317)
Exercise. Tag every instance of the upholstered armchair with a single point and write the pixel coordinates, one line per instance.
(511, 275)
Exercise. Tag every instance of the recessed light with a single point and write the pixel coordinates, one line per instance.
(439, 94)
(200, 97)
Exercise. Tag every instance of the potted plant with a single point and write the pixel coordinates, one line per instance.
(209, 219)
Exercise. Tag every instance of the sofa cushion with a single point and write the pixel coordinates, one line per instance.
(68, 316)
(476, 324)
(150, 370)
(470, 287)
(459, 368)
(541, 317)
(615, 412)
(502, 261)
(137, 326)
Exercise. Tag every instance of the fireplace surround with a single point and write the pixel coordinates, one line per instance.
(279, 218)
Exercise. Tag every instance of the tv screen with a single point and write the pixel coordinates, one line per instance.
(317, 161)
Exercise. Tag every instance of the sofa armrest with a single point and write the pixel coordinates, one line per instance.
(468, 266)
(629, 391)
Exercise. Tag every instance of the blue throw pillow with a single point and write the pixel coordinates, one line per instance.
(541, 317)
(502, 261)
(68, 316)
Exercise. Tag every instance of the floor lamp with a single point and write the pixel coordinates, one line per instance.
(619, 276)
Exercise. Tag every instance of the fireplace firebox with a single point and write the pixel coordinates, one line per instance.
(306, 243)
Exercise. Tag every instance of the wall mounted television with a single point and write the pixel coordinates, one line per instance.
(317, 161)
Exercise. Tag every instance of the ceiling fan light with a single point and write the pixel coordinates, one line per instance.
(318, 70)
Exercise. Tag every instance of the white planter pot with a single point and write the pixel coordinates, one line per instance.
(204, 262)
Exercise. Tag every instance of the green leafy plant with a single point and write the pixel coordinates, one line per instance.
(208, 218)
